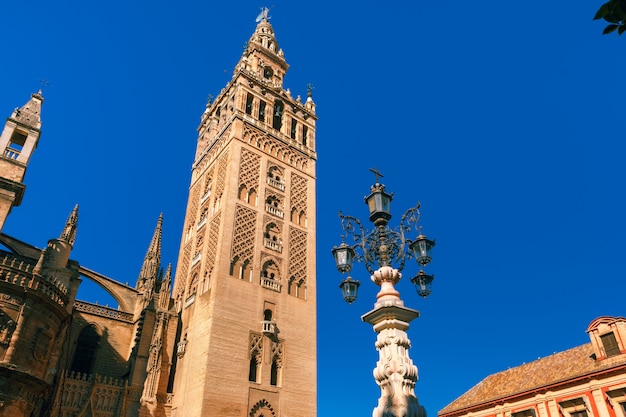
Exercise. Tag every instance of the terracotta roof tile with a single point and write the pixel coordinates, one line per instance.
(546, 371)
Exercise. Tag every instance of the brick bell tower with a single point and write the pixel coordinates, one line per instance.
(18, 140)
(245, 283)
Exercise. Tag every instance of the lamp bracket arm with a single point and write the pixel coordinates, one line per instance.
(352, 229)
(410, 219)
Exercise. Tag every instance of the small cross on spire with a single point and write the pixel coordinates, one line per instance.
(43, 83)
(377, 173)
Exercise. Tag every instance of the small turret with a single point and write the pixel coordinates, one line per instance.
(54, 259)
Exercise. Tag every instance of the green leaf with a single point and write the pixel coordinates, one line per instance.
(612, 17)
(609, 29)
(621, 29)
(602, 11)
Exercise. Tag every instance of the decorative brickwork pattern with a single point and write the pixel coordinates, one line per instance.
(192, 209)
(261, 409)
(220, 181)
(298, 193)
(221, 174)
(208, 187)
(277, 353)
(244, 234)
(275, 148)
(181, 281)
(211, 249)
(210, 153)
(256, 346)
(249, 169)
(297, 258)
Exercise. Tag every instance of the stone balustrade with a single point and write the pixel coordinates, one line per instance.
(19, 271)
(103, 311)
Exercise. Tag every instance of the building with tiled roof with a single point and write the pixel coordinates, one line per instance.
(585, 381)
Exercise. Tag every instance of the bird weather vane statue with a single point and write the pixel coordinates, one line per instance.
(264, 15)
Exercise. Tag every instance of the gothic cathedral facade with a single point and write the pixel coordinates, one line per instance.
(245, 282)
(238, 335)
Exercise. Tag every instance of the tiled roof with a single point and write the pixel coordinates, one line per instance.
(559, 367)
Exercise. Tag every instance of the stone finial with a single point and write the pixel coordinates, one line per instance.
(152, 260)
(69, 232)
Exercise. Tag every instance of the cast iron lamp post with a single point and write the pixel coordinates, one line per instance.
(384, 251)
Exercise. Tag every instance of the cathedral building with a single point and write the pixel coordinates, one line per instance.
(234, 334)
(585, 381)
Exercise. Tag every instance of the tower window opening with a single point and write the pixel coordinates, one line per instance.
(268, 73)
(274, 373)
(243, 193)
(262, 106)
(254, 368)
(278, 115)
(302, 219)
(193, 286)
(234, 264)
(249, 100)
(294, 126)
(305, 133)
(243, 271)
(16, 143)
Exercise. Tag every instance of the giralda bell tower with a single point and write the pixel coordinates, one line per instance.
(245, 283)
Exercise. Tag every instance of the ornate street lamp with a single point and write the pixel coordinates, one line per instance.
(384, 251)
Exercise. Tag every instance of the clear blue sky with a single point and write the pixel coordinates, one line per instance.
(505, 119)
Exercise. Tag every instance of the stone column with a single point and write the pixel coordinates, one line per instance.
(395, 372)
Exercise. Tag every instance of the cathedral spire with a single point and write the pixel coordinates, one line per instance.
(152, 261)
(69, 232)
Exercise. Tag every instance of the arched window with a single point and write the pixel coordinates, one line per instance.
(278, 115)
(193, 285)
(243, 192)
(207, 188)
(254, 367)
(270, 271)
(251, 199)
(294, 216)
(85, 353)
(294, 129)
(274, 373)
(249, 100)
(271, 237)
